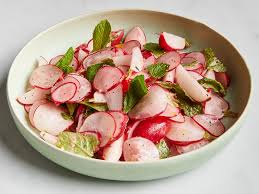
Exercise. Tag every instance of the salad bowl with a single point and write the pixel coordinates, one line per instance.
(72, 32)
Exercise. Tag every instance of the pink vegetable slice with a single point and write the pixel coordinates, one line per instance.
(107, 78)
(81, 55)
(121, 121)
(45, 76)
(190, 85)
(42, 61)
(67, 79)
(99, 97)
(32, 96)
(64, 93)
(114, 98)
(195, 75)
(210, 123)
(223, 78)
(137, 60)
(171, 58)
(170, 111)
(27, 108)
(136, 33)
(198, 56)
(49, 138)
(130, 129)
(191, 147)
(100, 122)
(210, 74)
(179, 118)
(48, 118)
(171, 42)
(113, 151)
(190, 60)
(185, 133)
(128, 46)
(33, 109)
(134, 74)
(124, 69)
(90, 45)
(149, 61)
(83, 90)
(122, 60)
(169, 76)
(216, 105)
(73, 64)
(81, 119)
(140, 149)
(117, 36)
(152, 104)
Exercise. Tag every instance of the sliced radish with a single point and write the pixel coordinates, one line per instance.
(137, 61)
(149, 105)
(81, 119)
(189, 60)
(210, 123)
(170, 111)
(138, 34)
(122, 60)
(42, 61)
(64, 93)
(149, 61)
(83, 90)
(107, 78)
(171, 42)
(117, 37)
(119, 51)
(216, 106)
(73, 64)
(223, 78)
(101, 122)
(195, 75)
(173, 150)
(191, 147)
(185, 133)
(81, 55)
(48, 118)
(130, 128)
(169, 76)
(32, 96)
(80, 110)
(128, 46)
(190, 85)
(114, 98)
(33, 109)
(179, 118)
(121, 121)
(198, 56)
(124, 69)
(27, 108)
(171, 58)
(113, 151)
(45, 76)
(97, 57)
(98, 98)
(140, 149)
(146, 54)
(210, 74)
(90, 45)
(134, 74)
(49, 138)
(67, 79)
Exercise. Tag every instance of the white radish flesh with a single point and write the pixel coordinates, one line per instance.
(171, 58)
(122, 60)
(99, 97)
(124, 69)
(64, 92)
(149, 61)
(169, 76)
(114, 98)
(195, 75)
(171, 42)
(137, 60)
(138, 34)
(170, 111)
(121, 122)
(73, 64)
(49, 138)
(191, 147)
(210, 74)
(32, 96)
(33, 109)
(128, 46)
(97, 57)
(140, 149)
(190, 85)
(190, 60)
(179, 118)
(90, 45)
(81, 55)
(198, 56)
(113, 151)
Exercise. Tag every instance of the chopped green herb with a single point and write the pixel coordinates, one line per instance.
(65, 61)
(212, 62)
(95, 106)
(154, 48)
(71, 108)
(163, 149)
(187, 43)
(66, 116)
(101, 35)
(158, 70)
(192, 64)
(213, 84)
(166, 85)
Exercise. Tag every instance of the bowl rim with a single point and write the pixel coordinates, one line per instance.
(181, 157)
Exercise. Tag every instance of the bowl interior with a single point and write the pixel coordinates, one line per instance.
(57, 39)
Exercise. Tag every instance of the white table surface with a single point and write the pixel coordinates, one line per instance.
(23, 170)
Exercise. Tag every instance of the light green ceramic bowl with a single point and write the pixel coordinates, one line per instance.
(58, 38)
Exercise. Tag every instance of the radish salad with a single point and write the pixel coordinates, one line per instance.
(118, 97)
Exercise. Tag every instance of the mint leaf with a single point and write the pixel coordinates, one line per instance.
(163, 149)
(71, 108)
(213, 84)
(66, 116)
(187, 43)
(158, 70)
(101, 35)
(192, 64)
(108, 62)
(212, 62)
(154, 48)
(65, 61)
(166, 85)
(95, 106)
(189, 107)
(230, 114)
(84, 145)
(137, 90)
(208, 136)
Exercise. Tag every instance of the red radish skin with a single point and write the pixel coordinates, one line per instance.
(191, 147)
(101, 122)
(114, 98)
(139, 149)
(171, 58)
(198, 56)
(128, 46)
(97, 57)
(117, 37)
(190, 85)
(223, 78)
(64, 93)
(170, 42)
(49, 138)
(45, 76)
(122, 60)
(179, 118)
(170, 111)
(32, 96)
(33, 109)
(149, 105)
(125, 85)
(169, 76)
(48, 118)
(138, 34)
(185, 133)
(146, 54)
(153, 128)
(113, 151)
(42, 61)
(130, 128)
(137, 61)
(173, 150)
(210, 123)
(107, 78)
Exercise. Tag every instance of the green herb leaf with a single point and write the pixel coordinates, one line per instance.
(213, 84)
(154, 48)
(212, 62)
(163, 149)
(189, 107)
(187, 43)
(108, 62)
(192, 64)
(66, 116)
(84, 145)
(71, 108)
(136, 91)
(101, 35)
(230, 114)
(65, 61)
(95, 106)
(208, 136)
(166, 85)
(158, 70)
